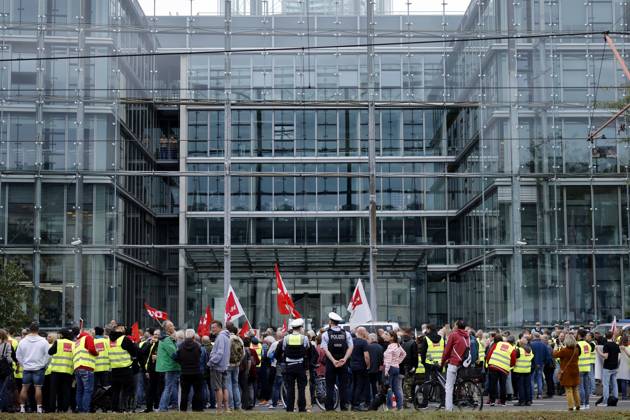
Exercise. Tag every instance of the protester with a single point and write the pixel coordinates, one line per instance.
(359, 366)
(188, 354)
(154, 381)
(500, 359)
(122, 351)
(84, 360)
(32, 355)
(218, 362)
(569, 376)
(409, 365)
(455, 354)
(522, 372)
(610, 353)
(237, 352)
(166, 365)
(375, 373)
(392, 358)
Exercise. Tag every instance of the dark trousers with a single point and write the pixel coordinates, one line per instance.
(551, 388)
(523, 386)
(186, 382)
(60, 392)
(497, 385)
(101, 379)
(295, 374)
(360, 387)
(122, 389)
(334, 375)
(375, 382)
(153, 390)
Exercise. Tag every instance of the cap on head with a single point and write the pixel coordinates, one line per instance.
(297, 323)
(334, 317)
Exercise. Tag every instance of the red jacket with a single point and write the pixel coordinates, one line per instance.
(456, 345)
(498, 369)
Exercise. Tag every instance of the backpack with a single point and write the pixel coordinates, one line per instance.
(466, 358)
(6, 368)
(236, 350)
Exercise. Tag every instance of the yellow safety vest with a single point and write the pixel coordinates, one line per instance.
(63, 360)
(501, 356)
(524, 361)
(258, 349)
(420, 368)
(434, 351)
(17, 369)
(584, 361)
(82, 357)
(118, 357)
(482, 351)
(102, 360)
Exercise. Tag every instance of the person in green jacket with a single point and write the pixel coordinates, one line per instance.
(167, 365)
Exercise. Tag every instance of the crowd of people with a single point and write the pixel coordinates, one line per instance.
(107, 369)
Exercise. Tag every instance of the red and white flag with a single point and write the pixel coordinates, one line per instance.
(233, 308)
(135, 332)
(284, 327)
(204, 323)
(245, 328)
(156, 313)
(359, 308)
(285, 303)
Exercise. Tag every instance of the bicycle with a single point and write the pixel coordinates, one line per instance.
(467, 394)
(320, 393)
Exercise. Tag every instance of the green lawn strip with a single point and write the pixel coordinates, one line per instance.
(278, 415)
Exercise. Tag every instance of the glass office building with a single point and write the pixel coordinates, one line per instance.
(453, 177)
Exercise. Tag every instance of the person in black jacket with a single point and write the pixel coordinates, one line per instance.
(122, 377)
(187, 355)
(409, 364)
(154, 380)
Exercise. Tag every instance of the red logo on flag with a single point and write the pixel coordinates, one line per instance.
(156, 313)
(356, 299)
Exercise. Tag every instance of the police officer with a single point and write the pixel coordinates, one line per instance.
(294, 350)
(337, 344)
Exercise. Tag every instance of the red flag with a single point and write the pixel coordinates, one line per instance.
(285, 303)
(135, 332)
(284, 327)
(244, 329)
(156, 313)
(204, 323)
(233, 308)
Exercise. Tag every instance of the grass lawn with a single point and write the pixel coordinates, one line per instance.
(408, 414)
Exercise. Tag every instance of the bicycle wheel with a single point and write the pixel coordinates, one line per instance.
(429, 396)
(320, 393)
(468, 396)
(283, 395)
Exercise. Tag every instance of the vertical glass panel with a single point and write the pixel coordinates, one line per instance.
(283, 133)
(305, 231)
(606, 215)
(241, 133)
(264, 193)
(242, 199)
(391, 195)
(197, 231)
(197, 133)
(413, 134)
(435, 194)
(391, 230)
(306, 191)
(578, 215)
(215, 193)
(413, 194)
(326, 193)
(391, 139)
(284, 199)
(579, 280)
(351, 230)
(349, 142)
(608, 286)
(327, 133)
(283, 231)
(263, 231)
(262, 132)
(326, 231)
(53, 214)
(305, 133)
(22, 141)
(20, 214)
(198, 193)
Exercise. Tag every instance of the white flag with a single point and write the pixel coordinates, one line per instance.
(359, 308)
(233, 308)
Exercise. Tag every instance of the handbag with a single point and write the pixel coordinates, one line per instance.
(565, 368)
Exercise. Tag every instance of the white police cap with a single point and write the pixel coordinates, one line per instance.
(334, 317)
(297, 323)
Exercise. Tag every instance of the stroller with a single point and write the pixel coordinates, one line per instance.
(102, 399)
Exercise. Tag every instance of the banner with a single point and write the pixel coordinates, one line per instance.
(285, 303)
(156, 313)
(359, 308)
(204, 323)
(233, 308)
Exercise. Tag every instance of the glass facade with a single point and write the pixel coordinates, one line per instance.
(131, 177)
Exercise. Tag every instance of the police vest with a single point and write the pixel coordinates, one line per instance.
(102, 360)
(63, 360)
(501, 356)
(17, 369)
(434, 351)
(482, 351)
(293, 347)
(337, 344)
(258, 349)
(82, 357)
(118, 357)
(420, 368)
(524, 361)
(584, 360)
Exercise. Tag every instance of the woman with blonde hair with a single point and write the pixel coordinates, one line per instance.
(569, 374)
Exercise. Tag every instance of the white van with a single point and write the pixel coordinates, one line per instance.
(373, 327)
